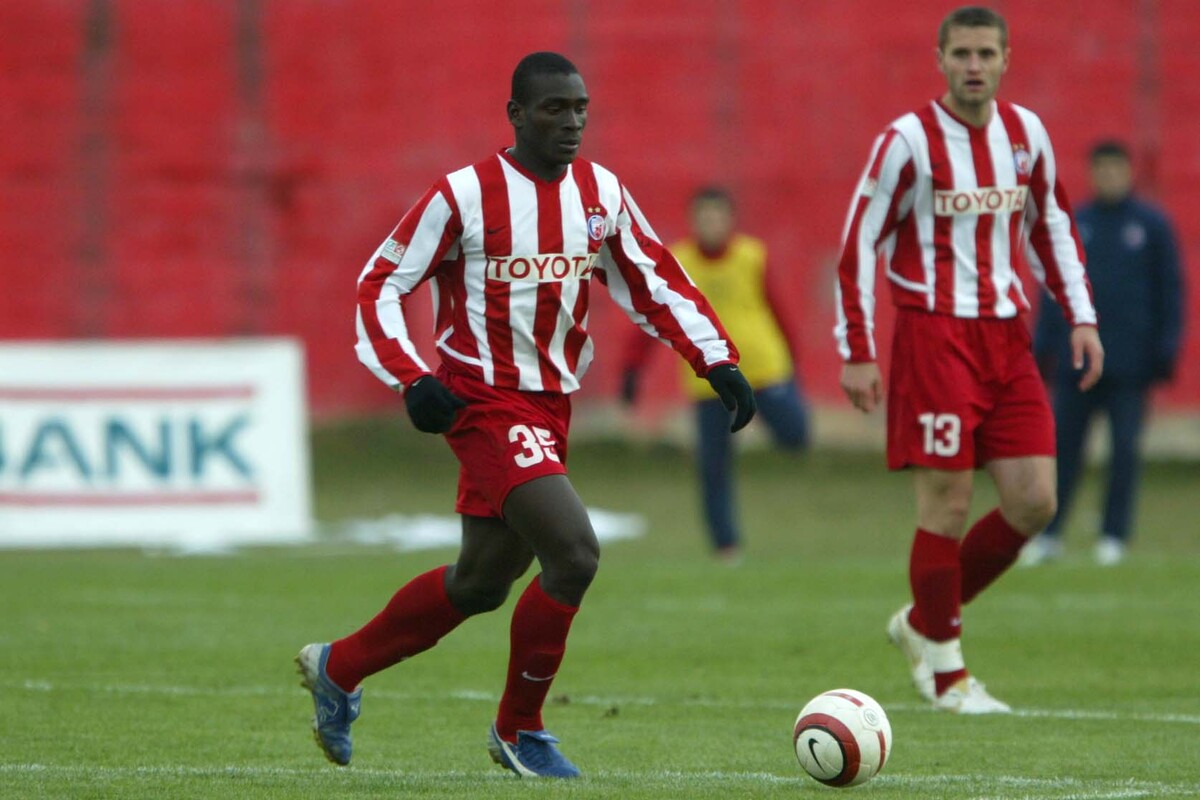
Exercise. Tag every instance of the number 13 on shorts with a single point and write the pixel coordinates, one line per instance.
(537, 445)
(942, 433)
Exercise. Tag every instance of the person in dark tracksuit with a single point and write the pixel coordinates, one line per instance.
(1133, 263)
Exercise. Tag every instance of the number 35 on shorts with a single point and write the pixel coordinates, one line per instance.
(943, 433)
(537, 445)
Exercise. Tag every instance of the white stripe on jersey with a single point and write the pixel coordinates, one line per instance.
(522, 298)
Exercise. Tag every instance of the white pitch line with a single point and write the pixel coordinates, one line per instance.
(1078, 789)
(1079, 715)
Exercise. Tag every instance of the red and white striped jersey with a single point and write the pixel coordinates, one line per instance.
(952, 211)
(512, 257)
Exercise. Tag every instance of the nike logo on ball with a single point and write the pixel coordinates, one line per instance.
(813, 749)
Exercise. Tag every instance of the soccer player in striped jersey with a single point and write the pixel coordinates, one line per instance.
(957, 196)
(511, 245)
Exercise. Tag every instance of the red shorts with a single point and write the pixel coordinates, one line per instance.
(963, 392)
(503, 438)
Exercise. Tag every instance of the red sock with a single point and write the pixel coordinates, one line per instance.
(989, 548)
(944, 680)
(936, 578)
(538, 640)
(412, 622)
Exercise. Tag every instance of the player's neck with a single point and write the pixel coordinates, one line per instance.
(537, 167)
(975, 115)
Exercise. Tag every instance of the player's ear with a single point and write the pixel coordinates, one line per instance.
(516, 114)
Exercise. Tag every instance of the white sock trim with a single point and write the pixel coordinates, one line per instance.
(945, 656)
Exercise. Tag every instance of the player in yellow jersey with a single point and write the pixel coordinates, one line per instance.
(730, 269)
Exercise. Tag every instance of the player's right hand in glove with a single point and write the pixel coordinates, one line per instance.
(736, 395)
(431, 406)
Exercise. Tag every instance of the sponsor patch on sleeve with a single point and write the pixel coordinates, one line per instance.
(393, 251)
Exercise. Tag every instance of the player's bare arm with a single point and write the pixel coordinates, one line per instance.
(1087, 352)
(863, 384)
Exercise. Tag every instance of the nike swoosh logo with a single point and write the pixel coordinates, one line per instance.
(529, 677)
(494, 231)
(812, 749)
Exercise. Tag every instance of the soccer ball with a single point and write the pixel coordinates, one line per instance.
(842, 738)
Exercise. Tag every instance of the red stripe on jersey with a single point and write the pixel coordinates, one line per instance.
(389, 352)
(1042, 240)
(943, 226)
(589, 196)
(906, 260)
(577, 336)
(881, 154)
(451, 310)
(497, 230)
(852, 305)
(985, 175)
(906, 234)
(1017, 258)
(549, 295)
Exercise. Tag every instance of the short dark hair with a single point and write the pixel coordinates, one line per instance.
(1109, 148)
(712, 193)
(540, 63)
(972, 17)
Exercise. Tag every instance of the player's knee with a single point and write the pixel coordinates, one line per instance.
(570, 574)
(581, 566)
(478, 596)
(953, 518)
(1044, 508)
(1035, 511)
(948, 517)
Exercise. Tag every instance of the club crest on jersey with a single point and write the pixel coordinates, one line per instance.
(1022, 161)
(540, 268)
(595, 225)
(393, 251)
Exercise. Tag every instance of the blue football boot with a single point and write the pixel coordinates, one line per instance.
(533, 756)
(333, 708)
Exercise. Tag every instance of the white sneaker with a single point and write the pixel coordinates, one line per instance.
(912, 644)
(1040, 549)
(1110, 551)
(969, 697)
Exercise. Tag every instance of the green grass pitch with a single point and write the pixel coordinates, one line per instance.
(139, 675)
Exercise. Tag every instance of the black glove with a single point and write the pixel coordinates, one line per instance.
(735, 393)
(629, 387)
(431, 406)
